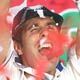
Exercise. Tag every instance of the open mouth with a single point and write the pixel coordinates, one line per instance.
(50, 48)
(52, 44)
(45, 47)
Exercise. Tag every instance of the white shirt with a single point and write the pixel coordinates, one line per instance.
(72, 70)
(16, 70)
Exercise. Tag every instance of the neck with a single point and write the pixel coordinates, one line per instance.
(52, 72)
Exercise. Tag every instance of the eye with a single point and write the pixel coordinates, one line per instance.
(51, 25)
(34, 28)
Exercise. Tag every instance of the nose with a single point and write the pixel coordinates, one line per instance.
(44, 33)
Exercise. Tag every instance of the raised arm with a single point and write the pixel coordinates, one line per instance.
(4, 7)
(4, 30)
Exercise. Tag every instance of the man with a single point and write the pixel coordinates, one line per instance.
(31, 28)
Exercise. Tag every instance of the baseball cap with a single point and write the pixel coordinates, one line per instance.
(31, 12)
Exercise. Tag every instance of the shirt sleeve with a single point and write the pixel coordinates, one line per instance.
(72, 70)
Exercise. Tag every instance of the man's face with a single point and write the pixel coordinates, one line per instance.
(33, 37)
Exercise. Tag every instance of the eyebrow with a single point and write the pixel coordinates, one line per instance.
(29, 26)
(51, 22)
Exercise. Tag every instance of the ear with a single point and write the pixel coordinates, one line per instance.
(18, 48)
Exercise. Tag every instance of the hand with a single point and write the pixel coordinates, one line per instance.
(78, 43)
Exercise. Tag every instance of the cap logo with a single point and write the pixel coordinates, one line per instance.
(39, 10)
(40, 13)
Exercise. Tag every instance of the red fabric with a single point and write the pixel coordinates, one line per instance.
(57, 5)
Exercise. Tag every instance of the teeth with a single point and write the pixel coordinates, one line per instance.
(47, 45)
(43, 44)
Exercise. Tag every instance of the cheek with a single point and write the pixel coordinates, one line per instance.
(34, 38)
(29, 43)
(29, 38)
